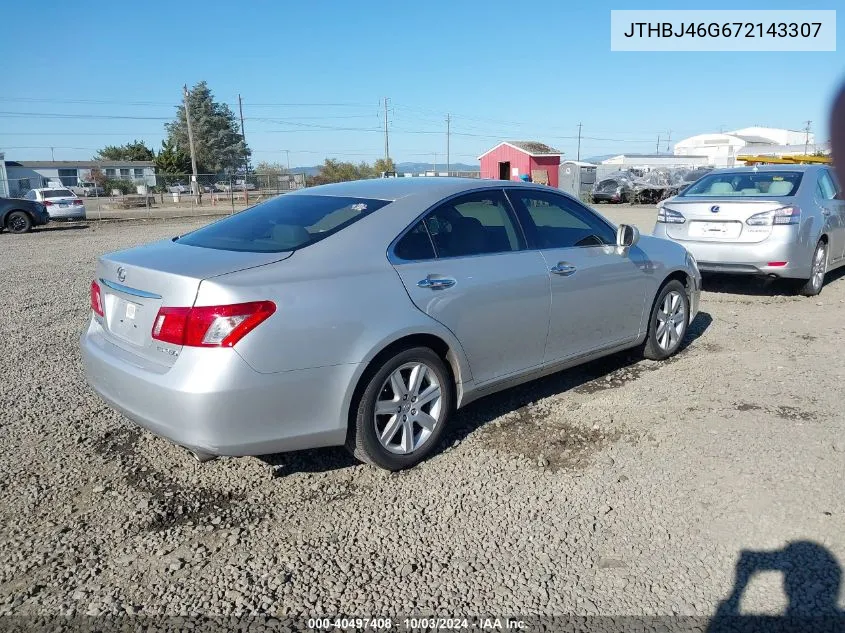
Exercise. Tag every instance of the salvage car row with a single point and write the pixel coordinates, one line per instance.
(363, 314)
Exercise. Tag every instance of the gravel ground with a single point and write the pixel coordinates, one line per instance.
(621, 487)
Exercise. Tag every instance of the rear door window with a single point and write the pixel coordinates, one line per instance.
(476, 223)
(826, 189)
(285, 223)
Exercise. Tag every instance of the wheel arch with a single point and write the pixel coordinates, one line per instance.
(5, 215)
(445, 346)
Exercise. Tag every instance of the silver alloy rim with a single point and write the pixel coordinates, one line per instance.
(408, 408)
(671, 321)
(819, 266)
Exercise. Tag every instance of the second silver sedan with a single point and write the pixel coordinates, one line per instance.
(364, 313)
(778, 220)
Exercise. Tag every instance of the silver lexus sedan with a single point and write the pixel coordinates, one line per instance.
(365, 313)
(777, 220)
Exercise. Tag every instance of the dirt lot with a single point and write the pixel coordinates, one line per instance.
(622, 487)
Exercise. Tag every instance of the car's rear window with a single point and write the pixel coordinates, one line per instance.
(58, 193)
(747, 183)
(285, 223)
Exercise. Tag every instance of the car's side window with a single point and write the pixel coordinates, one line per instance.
(826, 187)
(415, 245)
(559, 222)
(476, 223)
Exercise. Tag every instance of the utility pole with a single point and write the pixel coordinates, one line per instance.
(287, 153)
(53, 154)
(448, 134)
(578, 157)
(435, 163)
(246, 160)
(194, 184)
(807, 137)
(668, 141)
(386, 143)
(657, 149)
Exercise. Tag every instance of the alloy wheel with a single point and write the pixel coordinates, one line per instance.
(819, 265)
(671, 321)
(408, 409)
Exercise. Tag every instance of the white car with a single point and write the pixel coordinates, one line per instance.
(61, 203)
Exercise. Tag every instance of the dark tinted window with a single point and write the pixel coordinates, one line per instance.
(415, 245)
(560, 222)
(58, 193)
(284, 223)
(473, 224)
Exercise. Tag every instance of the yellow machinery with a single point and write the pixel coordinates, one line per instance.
(801, 159)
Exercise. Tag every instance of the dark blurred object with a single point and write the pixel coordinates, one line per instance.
(837, 135)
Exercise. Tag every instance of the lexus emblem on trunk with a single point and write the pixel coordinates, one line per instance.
(121, 273)
(713, 209)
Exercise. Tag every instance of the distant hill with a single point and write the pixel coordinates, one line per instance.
(411, 168)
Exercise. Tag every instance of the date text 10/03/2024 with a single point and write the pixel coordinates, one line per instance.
(414, 624)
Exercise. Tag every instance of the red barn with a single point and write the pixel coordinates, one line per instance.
(510, 160)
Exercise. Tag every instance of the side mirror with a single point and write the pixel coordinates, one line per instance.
(627, 236)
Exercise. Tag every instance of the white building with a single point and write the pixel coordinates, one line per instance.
(21, 176)
(647, 161)
(721, 149)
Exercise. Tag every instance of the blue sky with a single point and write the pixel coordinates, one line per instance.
(312, 76)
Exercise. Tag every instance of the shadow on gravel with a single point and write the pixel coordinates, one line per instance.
(50, 228)
(169, 503)
(605, 373)
(756, 285)
(811, 580)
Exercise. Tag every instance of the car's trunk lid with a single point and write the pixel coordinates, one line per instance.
(135, 283)
(720, 219)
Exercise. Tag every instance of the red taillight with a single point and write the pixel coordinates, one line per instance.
(76, 202)
(47, 203)
(96, 299)
(776, 264)
(210, 326)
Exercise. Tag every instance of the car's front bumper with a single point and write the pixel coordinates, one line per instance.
(750, 258)
(213, 402)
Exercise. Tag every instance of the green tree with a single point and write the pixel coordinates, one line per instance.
(382, 165)
(337, 171)
(136, 150)
(171, 163)
(218, 144)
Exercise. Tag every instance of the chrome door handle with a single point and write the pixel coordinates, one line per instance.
(563, 269)
(435, 283)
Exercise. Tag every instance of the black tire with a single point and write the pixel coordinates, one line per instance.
(18, 222)
(655, 347)
(813, 286)
(363, 436)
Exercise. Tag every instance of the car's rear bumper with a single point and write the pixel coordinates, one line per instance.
(749, 258)
(70, 213)
(213, 402)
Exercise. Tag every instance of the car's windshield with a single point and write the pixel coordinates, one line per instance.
(58, 193)
(747, 183)
(284, 223)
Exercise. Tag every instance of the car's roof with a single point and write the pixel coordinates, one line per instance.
(51, 189)
(396, 188)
